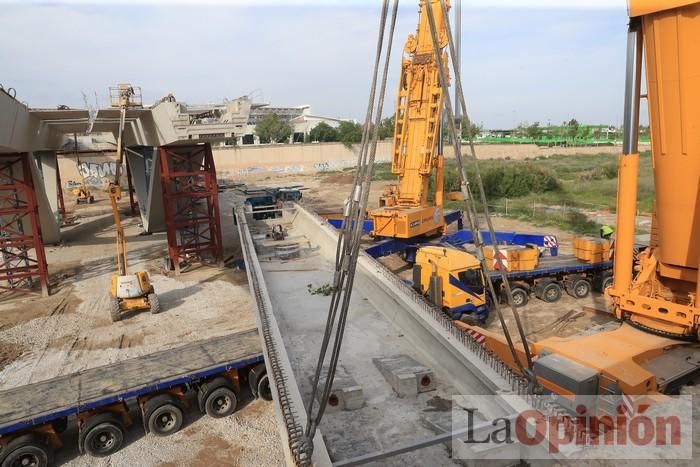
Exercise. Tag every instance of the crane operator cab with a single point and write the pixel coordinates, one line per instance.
(453, 280)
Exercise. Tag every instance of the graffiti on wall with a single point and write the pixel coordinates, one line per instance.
(97, 173)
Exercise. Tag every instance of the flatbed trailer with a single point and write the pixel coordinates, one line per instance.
(555, 274)
(33, 416)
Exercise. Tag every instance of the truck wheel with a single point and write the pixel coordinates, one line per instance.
(607, 282)
(264, 391)
(580, 288)
(163, 416)
(26, 450)
(255, 377)
(91, 199)
(102, 435)
(115, 311)
(551, 292)
(221, 402)
(154, 302)
(520, 297)
(602, 281)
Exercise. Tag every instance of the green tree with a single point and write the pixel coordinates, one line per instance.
(534, 131)
(349, 133)
(572, 129)
(270, 129)
(387, 128)
(324, 133)
(476, 130)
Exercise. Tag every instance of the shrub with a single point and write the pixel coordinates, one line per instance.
(516, 180)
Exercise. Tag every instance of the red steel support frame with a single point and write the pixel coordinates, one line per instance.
(191, 204)
(23, 260)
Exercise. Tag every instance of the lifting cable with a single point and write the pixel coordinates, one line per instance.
(350, 234)
(470, 205)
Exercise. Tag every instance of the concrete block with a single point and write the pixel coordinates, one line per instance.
(345, 394)
(405, 375)
(486, 455)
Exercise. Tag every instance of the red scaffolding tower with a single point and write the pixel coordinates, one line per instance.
(191, 204)
(23, 261)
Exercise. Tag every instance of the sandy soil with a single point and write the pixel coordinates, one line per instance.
(71, 330)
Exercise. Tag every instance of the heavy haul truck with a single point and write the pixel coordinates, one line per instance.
(655, 349)
(103, 402)
(452, 278)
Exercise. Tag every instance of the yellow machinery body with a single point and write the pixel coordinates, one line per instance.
(404, 209)
(663, 295)
(655, 349)
(438, 270)
(129, 292)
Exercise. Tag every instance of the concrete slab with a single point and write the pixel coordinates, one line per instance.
(405, 375)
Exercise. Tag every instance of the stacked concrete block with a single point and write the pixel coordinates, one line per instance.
(345, 394)
(405, 375)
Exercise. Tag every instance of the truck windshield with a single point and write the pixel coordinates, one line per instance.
(472, 278)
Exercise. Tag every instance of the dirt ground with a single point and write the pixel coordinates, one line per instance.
(71, 330)
(567, 317)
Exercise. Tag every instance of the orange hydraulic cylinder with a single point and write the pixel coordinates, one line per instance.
(626, 216)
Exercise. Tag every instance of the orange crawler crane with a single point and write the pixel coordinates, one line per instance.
(404, 210)
(655, 349)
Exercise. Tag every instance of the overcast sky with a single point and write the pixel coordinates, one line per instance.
(522, 60)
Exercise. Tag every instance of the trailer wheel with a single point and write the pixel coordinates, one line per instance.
(115, 311)
(264, 391)
(520, 297)
(551, 292)
(221, 402)
(602, 281)
(102, 435)
(579, 288)
(163, 416)
(26, 450)
(154, 302)
(259, 382)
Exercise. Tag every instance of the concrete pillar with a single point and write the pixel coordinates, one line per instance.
(145, 173)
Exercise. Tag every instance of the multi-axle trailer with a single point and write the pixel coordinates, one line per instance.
(157, 386)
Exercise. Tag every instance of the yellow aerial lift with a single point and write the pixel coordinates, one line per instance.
(405, 211)
(655, 349)
(130, 292)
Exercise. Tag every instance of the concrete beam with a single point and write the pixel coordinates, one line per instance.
(145, 174)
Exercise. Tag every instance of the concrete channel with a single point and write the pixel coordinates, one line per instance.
(402, 360)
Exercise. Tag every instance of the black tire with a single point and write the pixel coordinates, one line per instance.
(551, 292)
(154, 302)
(115, 312)
(220, 402)
(91, 199)
(602, 281)
(162, 415)
(579, 288)
(520, 297)
(254, 376)
(102, 435)
(26, 450)
(264, 391)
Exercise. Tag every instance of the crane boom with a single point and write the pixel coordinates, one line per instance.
(405, 210)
